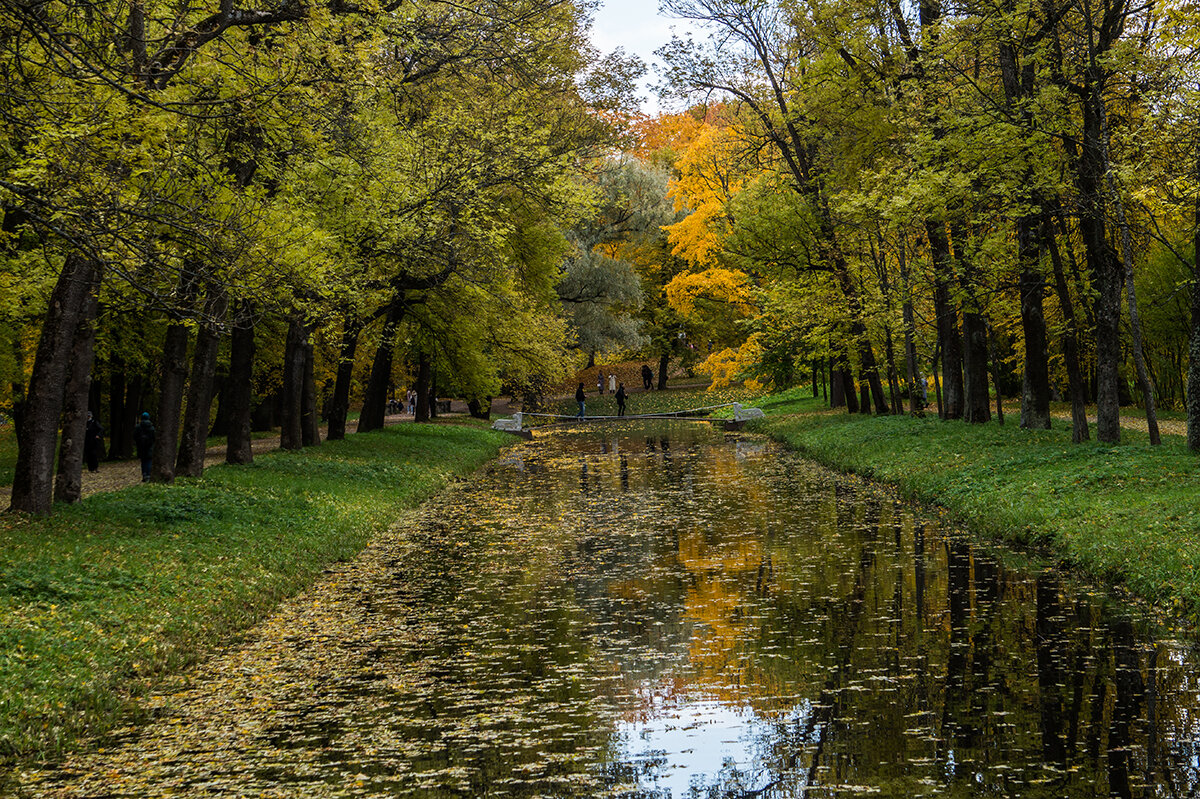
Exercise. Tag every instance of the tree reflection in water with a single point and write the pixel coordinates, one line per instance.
(670, 612)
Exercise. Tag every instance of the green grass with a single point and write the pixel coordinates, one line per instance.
(105, 597)
(1125, 513)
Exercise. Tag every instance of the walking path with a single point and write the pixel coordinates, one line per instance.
(114, 475)
(1168, 427)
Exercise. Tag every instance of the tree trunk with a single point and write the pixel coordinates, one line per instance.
(291, 434)
(976, 402)
(422, 388)
(33, 477)
(937, 383)
(1035, 383)
(339, 406)
(1104, 264)
(977, 409)
(664, 361)
(1135, 323)
(375, 401)
(910, 328)
(170, 402)
(995, 362)
(220, 422)
(310, 417)
(68, 486)
(192, 445)
(858, 333)
(1145, 381)
(480, 408)
(1018, 78)
(893, 380)
(949, 341)
(847, 381)
(837, 390)
(96, 390)
(433, 391)
(1075, 382)
(1193, 374)
(239, 386)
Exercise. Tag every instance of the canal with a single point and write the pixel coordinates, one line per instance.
(669, 610)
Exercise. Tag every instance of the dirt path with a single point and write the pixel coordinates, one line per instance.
(115, 475)
(1168, 427)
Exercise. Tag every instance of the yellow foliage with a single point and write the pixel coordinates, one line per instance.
(725, 366)
(729, 287)
(708, 178)
(699, 236)
(669, 131)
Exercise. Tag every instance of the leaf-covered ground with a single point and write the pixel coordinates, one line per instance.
(102, 600)
(216, 722)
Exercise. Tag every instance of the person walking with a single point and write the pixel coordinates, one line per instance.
(621, 399)
(647, 377)
(600, 383)
(143, 437)
(580, 397)
(93, 443)
(612, 382)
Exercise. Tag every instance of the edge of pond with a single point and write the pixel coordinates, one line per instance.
(1025, 540)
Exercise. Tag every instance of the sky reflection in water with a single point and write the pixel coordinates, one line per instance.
(798, 630)
(654, 612)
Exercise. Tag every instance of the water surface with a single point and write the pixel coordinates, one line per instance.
(673, 611)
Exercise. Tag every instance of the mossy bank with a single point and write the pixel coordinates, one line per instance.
(106, 596)
(1127, 513)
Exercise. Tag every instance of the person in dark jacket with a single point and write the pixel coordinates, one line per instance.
(647, 377)
(580, 397)
(93, 443)
(143, 437)
(620, 399)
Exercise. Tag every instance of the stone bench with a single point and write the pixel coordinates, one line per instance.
(741, 414)
(513, 425)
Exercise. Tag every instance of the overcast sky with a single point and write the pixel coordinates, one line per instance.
(636, 26)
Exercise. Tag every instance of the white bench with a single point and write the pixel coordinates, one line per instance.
(741, 414)
(513, 425)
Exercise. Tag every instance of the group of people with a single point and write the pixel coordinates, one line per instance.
(616, 388)
(143, 438)
(407, 405)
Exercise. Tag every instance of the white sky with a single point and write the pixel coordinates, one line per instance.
(636, 26)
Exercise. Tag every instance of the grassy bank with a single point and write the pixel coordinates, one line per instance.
(106, 596)
(1126, 513)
